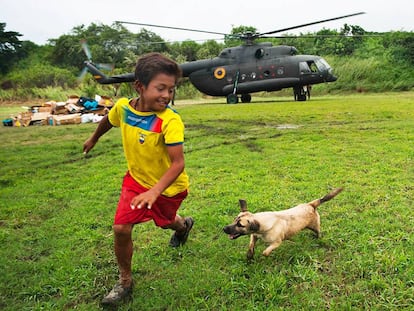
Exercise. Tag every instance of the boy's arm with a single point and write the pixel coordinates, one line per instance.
(146, 199)
(103, 127)
(176, 154)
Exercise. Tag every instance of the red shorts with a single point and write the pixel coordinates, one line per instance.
(163, 211)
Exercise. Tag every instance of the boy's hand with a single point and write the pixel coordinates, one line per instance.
(145, 199)
(103, 127)
(88, 145)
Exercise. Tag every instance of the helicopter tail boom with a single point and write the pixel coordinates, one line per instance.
(101, 78)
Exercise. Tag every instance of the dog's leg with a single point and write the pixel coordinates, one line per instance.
(271, 247)
(315, 225)
(250, 252)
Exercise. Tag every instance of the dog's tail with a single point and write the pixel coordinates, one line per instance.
(326, 198)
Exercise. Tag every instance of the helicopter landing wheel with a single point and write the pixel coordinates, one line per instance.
(232, 99)
(246, 98)
(301, 97)
(299, 94)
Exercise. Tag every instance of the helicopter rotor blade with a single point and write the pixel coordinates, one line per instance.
(82, 74)
(108, 67)
(176, 28)
(86, 49)
(308, 24)
(321, 36)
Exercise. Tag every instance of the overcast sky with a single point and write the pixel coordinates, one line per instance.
(40, 20)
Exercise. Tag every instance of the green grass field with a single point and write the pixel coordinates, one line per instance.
(57, 208)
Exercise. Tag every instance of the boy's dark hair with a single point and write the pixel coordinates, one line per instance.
(151, 64)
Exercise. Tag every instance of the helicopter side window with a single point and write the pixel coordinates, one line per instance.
(313, 67)
(259, 53)
(304, 68)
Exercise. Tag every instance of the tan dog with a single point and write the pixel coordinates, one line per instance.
(274, 227)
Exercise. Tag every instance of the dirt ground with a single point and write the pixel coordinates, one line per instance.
(12, 103)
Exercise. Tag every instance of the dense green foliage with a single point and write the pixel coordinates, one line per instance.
(57, 209)
(10, 47)
(364, 61)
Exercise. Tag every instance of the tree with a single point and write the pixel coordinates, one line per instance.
(10, 48)
(186, 50)
(209, 49)
(400, 46)
(351, 38)
(107, 44)
(147, 41)
(342, 43)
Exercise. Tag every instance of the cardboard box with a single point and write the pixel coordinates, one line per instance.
(105, 101)
(39, 118)
(73, 99)
(66, 119)
(59, 108)
(73, 108)
(100, 111)
(25, 118)
(45, 109)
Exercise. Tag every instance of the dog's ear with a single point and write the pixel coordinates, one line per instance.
(243, 205)
(254, 226)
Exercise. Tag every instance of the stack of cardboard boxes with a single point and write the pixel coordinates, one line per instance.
(61, 113)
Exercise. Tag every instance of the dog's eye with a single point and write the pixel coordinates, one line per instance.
(239, 224)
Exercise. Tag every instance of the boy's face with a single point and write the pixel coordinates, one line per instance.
(157, 95)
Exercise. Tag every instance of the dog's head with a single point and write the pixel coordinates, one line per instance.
(243, 224)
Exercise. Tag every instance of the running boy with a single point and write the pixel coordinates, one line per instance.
(156, 183)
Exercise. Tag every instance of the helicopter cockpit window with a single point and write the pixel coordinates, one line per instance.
(259, 53)
(322, 64)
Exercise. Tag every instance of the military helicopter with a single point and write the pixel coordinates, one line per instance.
(251, 67)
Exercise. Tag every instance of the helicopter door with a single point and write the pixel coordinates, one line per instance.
(304, 68)
(309, 72)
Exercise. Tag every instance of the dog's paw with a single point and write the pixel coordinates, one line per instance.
(250, 254)
(266, 253)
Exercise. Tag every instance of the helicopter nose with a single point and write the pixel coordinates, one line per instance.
(331, 78)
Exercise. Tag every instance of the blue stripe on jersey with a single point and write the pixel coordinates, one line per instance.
(174, 144)
(148, 123)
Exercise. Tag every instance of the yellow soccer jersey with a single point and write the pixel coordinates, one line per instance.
(145, 136)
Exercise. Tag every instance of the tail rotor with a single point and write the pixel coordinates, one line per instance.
(87, 51)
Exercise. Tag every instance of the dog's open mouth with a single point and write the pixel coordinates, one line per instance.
(234, 236)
